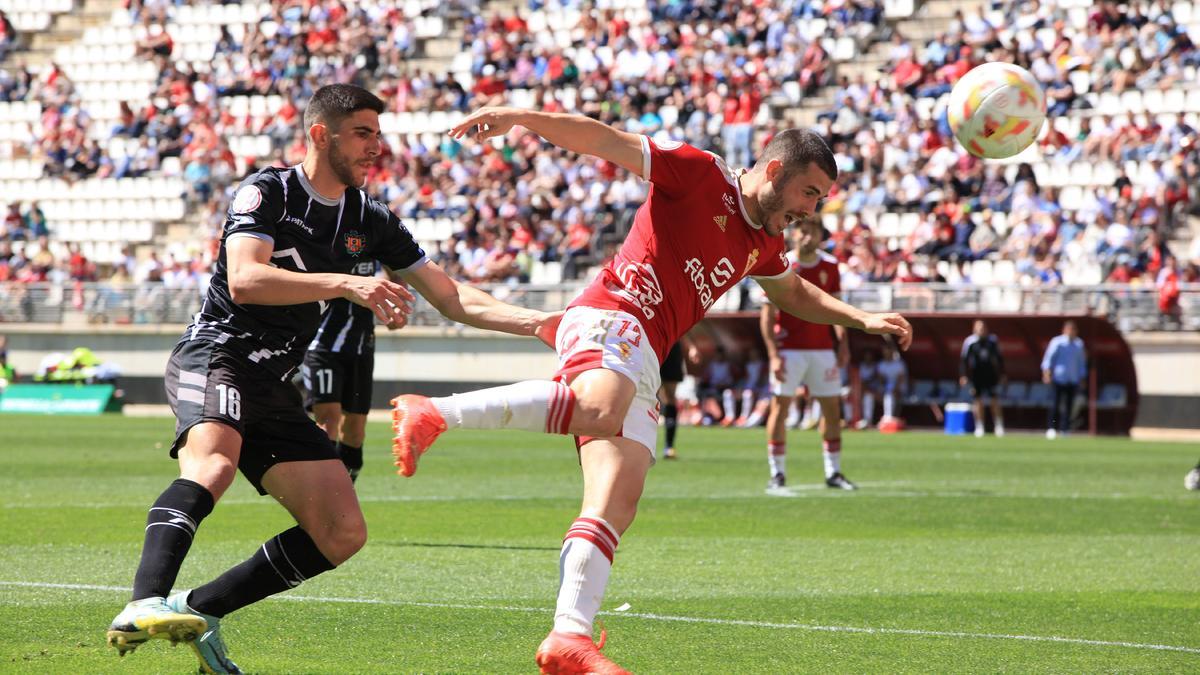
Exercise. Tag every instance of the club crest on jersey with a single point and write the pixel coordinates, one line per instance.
(355, 242)
(720, 221)
(247, 199)
(750, 260)
(625, 350)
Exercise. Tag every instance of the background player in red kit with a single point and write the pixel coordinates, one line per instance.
(702, 230)
(802, 353)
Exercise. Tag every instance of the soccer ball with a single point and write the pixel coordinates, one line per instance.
(996, 110)
(1192, 480)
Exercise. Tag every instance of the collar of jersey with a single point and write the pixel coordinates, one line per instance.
(316, 196)
(737, 187)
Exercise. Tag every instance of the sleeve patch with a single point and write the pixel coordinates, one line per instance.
(247, 199)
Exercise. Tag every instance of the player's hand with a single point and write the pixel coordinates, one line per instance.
(777, 368)
(401, 320)
(391, 302)
(962, 381)
(890, 323)
(547, 328)
(486, 123)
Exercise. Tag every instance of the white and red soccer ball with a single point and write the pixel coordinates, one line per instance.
(996, 110)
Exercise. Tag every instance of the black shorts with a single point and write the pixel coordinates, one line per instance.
(333, 377)
(206, 383)
(984, 385)
(671, 369)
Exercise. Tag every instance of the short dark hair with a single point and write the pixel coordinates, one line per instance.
(797, 148)
(333, 103)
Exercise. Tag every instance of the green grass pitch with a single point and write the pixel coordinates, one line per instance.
(958, 555)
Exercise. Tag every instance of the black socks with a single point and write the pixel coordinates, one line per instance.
(170, 526)
(282, 563)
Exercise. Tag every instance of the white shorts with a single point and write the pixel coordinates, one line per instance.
(816, 369)
(590, 338)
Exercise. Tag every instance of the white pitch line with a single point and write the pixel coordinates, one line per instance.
(806, 491)
(676, 619)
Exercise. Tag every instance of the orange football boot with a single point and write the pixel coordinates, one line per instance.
(575, 654)
(417, 425)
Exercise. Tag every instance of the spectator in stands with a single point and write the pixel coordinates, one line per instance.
(576, 246)
(13, 226)
(1167, 284)
(500, 263)
(1064, 365)
(156, 45)
(8, 36)
(35, 222)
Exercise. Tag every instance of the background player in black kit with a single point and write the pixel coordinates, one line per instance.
(983, 368)
(292, 239)
(338, 369)
(671, 372)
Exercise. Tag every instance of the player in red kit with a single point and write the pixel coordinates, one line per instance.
(703, 229)
(802, 353)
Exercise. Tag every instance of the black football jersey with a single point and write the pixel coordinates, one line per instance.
(347, 328)
(981, 357)
(309, 233)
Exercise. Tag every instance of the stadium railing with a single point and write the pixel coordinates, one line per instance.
(1128, 307)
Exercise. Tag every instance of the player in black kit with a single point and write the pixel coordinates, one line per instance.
(982, 367)
(337, 371)
(293, 238)
(671, 372)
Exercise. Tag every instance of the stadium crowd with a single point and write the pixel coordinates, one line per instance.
(693, 71)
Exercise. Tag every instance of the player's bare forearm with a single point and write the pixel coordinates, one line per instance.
(587, 136)
(766, 325)
(804, 300)
(471, 306)
(259, 284)
(254, 281)
(799, 298)
(576, 133)
(479, 309)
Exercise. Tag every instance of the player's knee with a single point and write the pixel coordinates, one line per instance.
(597, 417)
(607, 423)
(215, 472)
(342, 541)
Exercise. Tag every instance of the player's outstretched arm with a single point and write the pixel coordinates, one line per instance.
(576, 133)
(799, 298)
(469, 305)
(253, 280)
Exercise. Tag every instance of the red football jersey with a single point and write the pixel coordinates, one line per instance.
(793, 333)
(691, 242)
